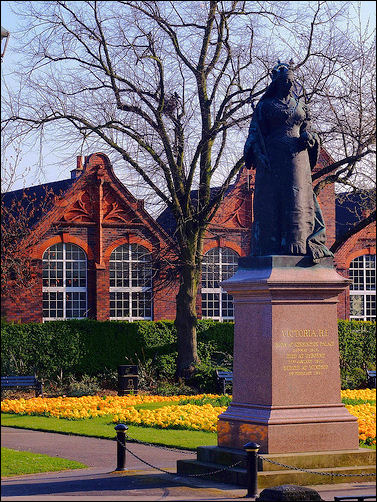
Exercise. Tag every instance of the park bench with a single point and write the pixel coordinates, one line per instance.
(371, 374)
(226, 377)
(12, 382)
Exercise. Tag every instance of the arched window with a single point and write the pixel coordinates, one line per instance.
(130, 283)
(218, 264)
(64, 281)
(362, 271)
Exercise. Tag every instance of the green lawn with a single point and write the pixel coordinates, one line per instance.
(357, 401)
(102, 427)
(14, 463)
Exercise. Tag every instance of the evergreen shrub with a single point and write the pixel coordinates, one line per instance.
(357, 347)
(74, 348)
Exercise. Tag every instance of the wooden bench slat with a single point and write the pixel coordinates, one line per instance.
(19, 384)
(20, 378)
(20, 381)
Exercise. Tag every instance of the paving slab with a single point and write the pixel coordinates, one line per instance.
(132, 485)
(139, 482)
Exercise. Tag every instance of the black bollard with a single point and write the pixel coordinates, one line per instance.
(252, 468)
(121, 446)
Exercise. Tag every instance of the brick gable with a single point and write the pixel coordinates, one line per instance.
(98, 213)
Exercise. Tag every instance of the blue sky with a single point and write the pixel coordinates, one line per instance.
(54, 163)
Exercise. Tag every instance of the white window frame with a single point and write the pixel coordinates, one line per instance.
(364, 293)
(222, 295)
(130, 290)
(64, 289)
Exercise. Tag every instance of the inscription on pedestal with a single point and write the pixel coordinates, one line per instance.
(303, 351)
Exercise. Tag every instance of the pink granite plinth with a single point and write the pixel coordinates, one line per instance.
(286, 377)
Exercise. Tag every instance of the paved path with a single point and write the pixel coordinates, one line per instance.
(92, 452)
(139, 482)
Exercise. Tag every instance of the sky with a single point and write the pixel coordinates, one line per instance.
(43, 163)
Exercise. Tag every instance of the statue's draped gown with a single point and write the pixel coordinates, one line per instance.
(287, 219)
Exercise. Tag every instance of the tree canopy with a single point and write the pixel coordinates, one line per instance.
(167, 89)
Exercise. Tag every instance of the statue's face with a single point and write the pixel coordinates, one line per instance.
(282, 74)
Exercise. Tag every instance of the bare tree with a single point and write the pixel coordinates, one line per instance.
(20, 211)
(344, 104)
(357, 210)
(168, 86)
(11, 175)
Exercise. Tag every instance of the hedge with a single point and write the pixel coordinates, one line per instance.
(89, 347)
(357, 348)
(78, 347)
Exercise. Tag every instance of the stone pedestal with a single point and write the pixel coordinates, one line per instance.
(286, 377)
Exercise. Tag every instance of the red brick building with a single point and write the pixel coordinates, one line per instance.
(356, 259)
(99, 254)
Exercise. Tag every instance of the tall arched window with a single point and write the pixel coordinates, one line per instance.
(218, 264)
(130, 283)
(362, 271)
(64, 280)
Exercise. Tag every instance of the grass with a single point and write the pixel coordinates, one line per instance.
(355, 402)
(370, 446)
(154, 406)
(14, 463)
(102, 427)
(223, 400)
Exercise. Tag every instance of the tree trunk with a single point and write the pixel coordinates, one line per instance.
(186, 321)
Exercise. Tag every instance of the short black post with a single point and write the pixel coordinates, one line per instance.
(252, 468)
(121, 446)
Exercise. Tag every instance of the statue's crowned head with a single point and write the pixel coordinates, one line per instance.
(283, 71)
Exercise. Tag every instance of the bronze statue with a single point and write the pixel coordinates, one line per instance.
(283, 150)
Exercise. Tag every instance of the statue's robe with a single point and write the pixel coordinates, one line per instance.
(287, 219)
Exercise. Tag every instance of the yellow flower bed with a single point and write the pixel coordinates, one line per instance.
(188, 416)
(365, 394)
(366, 418)
(365, 413)
(76, 408)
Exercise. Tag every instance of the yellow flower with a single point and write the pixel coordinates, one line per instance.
(189, 416)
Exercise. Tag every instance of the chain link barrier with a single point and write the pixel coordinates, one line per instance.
(228, 467)
(173, 473)
(176, 450)
(291, 467)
